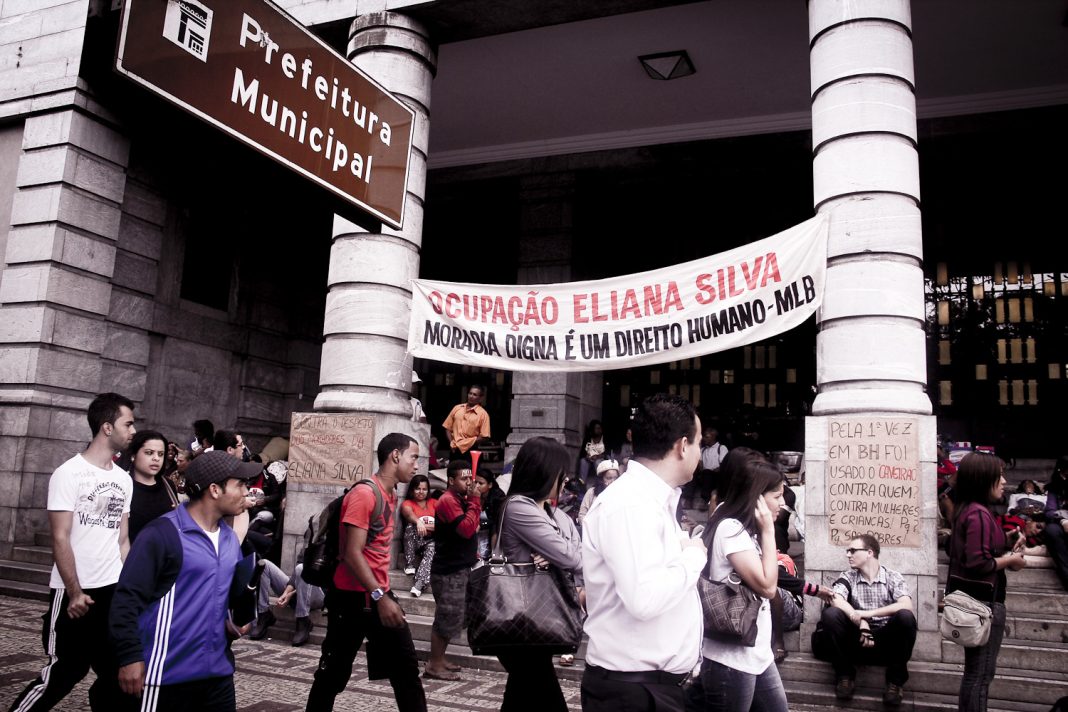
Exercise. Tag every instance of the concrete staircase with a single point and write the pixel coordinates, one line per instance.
(27, 572)
(1032, 666)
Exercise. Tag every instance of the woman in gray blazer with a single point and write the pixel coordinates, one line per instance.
(532, 529)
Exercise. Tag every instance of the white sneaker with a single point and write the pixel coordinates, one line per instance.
(416, 593)
(409, 571)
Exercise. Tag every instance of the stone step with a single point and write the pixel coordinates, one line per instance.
(815, 696)
(43, 539)
(38, 574)
(1038, 656)
(1050, 629)
(1026, 579)
(1010, 683)
(1046, 604)
(33, 554)
(21, 589)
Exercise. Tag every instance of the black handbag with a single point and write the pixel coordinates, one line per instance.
(730, 608)
(520, 607)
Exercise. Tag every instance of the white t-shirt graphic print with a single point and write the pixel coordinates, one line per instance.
(98, 498)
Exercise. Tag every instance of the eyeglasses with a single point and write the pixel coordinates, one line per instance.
(850, 552)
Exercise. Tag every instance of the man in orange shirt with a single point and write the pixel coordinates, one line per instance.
(467, 423)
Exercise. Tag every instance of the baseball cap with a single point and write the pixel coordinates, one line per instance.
(218, 467)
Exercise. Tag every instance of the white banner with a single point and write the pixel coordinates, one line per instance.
(711, 304)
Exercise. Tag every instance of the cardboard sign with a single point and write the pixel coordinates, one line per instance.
(873, 480)
(249, 69)
(331, 448)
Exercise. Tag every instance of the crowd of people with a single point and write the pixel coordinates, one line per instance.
(162, 559)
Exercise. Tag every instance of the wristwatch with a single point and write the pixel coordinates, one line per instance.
(377, 594)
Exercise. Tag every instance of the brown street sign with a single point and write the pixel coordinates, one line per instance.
(248, 68)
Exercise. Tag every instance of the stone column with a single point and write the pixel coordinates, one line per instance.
(871, 356)
(557, 404)
(365, 363)
(55, 298)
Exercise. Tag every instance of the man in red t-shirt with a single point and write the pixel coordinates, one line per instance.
(359, 604)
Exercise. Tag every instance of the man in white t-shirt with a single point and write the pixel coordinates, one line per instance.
(644, 625)
(88, 508)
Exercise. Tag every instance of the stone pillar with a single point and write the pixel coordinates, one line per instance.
(555, 404)
(365, 363)
(871, 356)
(55, 298)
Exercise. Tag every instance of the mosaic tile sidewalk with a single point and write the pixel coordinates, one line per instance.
(271, 677)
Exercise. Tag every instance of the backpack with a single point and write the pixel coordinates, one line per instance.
(323, 537)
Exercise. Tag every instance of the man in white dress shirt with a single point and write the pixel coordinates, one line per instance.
(644, 625)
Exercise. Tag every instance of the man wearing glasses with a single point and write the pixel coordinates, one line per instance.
(870, 620)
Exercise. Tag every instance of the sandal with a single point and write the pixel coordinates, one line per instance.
(567, 660)
(447, 675)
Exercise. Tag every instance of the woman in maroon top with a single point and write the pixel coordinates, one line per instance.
(978, 557)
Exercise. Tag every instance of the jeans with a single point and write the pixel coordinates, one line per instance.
(721, 688)
(980, 664)
(839, 643)
(215, 694)
(603, 693)
(272, 580)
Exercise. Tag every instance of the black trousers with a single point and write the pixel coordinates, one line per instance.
(532, 683)
(351, 618)
(215, 694)
(73, 646)
(838, 642)
(603, 692)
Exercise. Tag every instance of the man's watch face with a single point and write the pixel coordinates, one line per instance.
(377, 594)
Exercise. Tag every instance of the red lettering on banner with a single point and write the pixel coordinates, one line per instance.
(771, 269)
(579, 301)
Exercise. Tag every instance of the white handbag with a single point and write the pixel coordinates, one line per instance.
(965, 621)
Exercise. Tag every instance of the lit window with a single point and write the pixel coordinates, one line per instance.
(713, 376)
(1029, 309)
(1049, 288)
(980, 371)
(673, 366)
(943, 312)
(1032, 392)
(684, 391)
(654, 378)
(1003, 392)
(791, 375)
(1014, 273)
(728, 376)
(696, 362)
(747, 393)
(1029, 349)
(772, 355)
(999, 311)
(747, 357)
(942, 278)
(998, 277)
(943, 352)
(624, 396)
(1054, 371)
(945, 392)
(1014, 311)
(978, 292)
(673, 389)
(1001, 351)
(772, 402)
(500, 379)
(759, 395)
(1016, 351)
(1017, 392)
(1027, 277)
(695, 395)
(759, 362)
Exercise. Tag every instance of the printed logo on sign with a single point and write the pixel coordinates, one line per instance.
(188, 25)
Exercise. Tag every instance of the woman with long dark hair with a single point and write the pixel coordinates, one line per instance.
(1056, 532)
(418, 513)
(532, 530)
(153, 494)
(741, 538)
(978, 556)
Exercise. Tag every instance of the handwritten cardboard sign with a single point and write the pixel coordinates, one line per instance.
(873, 480)
(331, 448)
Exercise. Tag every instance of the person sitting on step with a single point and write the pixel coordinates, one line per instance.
(871, 620)
(418, 513)
(305, 597)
